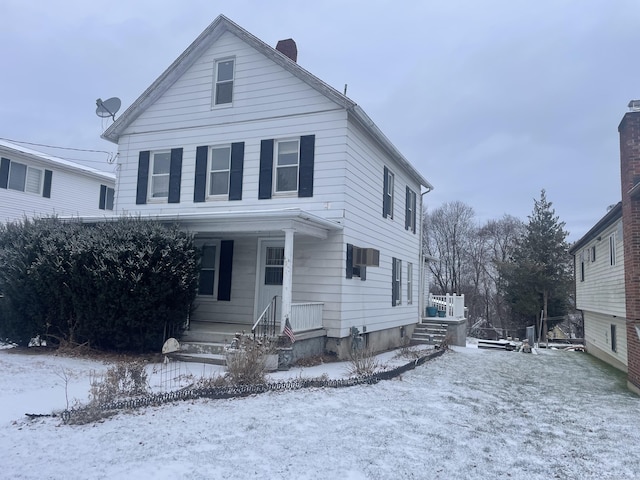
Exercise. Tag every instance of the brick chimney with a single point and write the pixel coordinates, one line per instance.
(629, 130)
(288, 48)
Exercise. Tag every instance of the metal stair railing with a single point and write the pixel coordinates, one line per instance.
(265, 325)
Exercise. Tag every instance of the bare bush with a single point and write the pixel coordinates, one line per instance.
(122, 380)
(246, 362)
(362, 362)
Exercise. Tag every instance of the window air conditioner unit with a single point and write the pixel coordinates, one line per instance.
(366, 257)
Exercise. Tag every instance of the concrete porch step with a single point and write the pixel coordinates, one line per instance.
(210, 358)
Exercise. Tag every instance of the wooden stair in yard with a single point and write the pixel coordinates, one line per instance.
(429, 333)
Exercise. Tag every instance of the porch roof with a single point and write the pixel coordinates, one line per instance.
(246, 222)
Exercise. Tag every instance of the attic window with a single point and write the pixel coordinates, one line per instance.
(223, 93)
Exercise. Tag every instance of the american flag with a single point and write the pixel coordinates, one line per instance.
(288, 331)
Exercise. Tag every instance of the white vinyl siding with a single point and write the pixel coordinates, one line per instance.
(603, 288)
(600, 342)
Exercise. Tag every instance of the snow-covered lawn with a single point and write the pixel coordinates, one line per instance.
(468, 414)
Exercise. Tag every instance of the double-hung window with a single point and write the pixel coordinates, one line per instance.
(612, 249)
(219, 171)
(24, 178)
(409, 283)
(387, 198)
(160, 173)
(207, 270)
(286, 166)
(223, 91)
(106, 198)
(396, 282)
(410, 211)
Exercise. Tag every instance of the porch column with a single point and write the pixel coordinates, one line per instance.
(287, 276)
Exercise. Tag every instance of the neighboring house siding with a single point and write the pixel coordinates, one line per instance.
(598, 338)
(71, 192)
(602, 289)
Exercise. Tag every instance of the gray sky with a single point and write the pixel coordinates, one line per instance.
(491, 100)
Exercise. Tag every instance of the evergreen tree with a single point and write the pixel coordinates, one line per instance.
(538, 275)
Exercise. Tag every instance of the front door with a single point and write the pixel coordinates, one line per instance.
(270, 279)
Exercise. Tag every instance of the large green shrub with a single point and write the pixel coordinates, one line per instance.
(121, 285)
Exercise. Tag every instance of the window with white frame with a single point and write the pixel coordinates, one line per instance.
(160, 172)
(612, 249)
(396, 283)
(286, 166)
(388, 194)
(593, 253)
(206, 284)
(223, 91)
(219, 170)
(24, 178)
(409, 283)
(614, 340)
(274, 266)
(410, 223)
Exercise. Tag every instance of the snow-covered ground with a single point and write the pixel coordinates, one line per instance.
(468, 414)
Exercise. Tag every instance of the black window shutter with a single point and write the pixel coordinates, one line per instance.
(103, 197)
(349, 266)
(4, 172)
(394, 289)
(414, 213)
(307, 154)
(200, 184)
(385, 197)
(143, 177)
(226, 264)
(175, 175)
(237, 166)
(407, 204)
(266, 169)
(46, 188)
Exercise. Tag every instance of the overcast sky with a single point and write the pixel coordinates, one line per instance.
(491, 100)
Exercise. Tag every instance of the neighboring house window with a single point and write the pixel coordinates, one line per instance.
(220, 170)
(396, 282)
(160, 173)
(612, 249)
(224, 81)
(286, 167)
(593, 253)
(274, 266)
(291, 162)
(614, 346)
(24, 178)
(206, 285)
(410, 211)
(159, 176)
(409, 283)
(387, 198)
(106, 198)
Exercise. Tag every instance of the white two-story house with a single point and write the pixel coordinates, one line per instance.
(304, 210)
(35, 184)
(600, 290)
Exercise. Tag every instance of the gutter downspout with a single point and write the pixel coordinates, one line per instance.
(421, 287)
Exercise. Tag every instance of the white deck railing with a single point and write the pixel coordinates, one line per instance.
(452, 305)
(306, 316)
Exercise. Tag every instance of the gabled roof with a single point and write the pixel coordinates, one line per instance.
(8, 148)
(609, 219)
(212, 33)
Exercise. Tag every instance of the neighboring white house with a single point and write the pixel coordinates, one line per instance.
(36, 184)
(600, 289)
(290, 188)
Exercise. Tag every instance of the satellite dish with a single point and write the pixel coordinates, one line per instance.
(108, 108)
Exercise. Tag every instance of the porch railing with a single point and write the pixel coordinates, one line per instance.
(306, 316)
(265, 326)
(452, 305)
